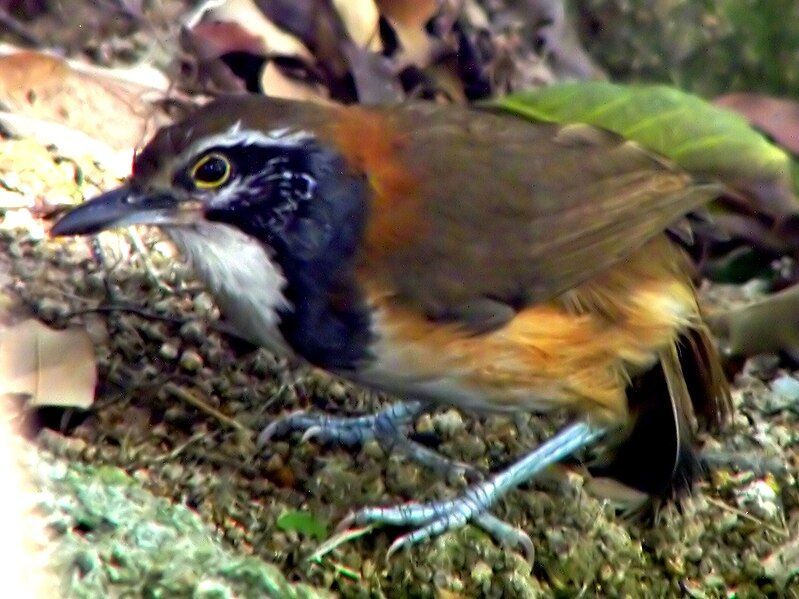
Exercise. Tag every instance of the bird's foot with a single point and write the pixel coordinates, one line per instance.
(448, 468)
(433, 518)
(385, 427)
(344, 431)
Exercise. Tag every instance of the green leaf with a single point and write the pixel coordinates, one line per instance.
(302, 522)
(698, 136)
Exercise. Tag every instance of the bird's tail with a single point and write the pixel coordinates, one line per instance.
(658, 455)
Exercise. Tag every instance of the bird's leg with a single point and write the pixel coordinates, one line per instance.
(436, 517)
(385, 427)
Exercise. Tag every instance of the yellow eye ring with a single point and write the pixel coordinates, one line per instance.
(210, 171)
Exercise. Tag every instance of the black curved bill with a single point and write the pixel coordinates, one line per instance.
(121, 207)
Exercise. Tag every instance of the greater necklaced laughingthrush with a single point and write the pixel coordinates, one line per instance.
(447, 255)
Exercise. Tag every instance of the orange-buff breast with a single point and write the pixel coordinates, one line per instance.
(577, 351)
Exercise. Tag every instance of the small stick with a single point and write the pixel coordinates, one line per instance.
(195, 401)
(750, 517)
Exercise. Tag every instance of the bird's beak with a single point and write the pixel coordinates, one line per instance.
(126, 206)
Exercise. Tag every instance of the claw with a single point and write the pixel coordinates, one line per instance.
(278, 427)
(510, 536)
(385, 426)
(346, 522)
(312, 432)
(399, 543)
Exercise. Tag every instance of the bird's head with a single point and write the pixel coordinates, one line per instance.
(259, 166)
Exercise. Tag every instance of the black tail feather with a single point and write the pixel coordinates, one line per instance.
(658, 454)
(652, 458)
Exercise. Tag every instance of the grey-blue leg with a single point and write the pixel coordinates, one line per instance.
(386, 427)
(436, 517)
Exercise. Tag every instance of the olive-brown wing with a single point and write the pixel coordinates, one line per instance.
(512, 212)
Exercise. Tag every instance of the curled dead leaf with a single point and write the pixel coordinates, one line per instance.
(275, 83)
(97, 102)
(362, 21)
(225, 36)
(779, 117)
(52, 367)
(408, 18)
(769, 325)
(408, 13)
(250, 19)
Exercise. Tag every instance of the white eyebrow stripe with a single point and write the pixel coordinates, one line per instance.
(237, 136)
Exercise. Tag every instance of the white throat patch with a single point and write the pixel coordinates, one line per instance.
(238, 271)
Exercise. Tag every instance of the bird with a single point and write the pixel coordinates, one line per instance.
(448, 255)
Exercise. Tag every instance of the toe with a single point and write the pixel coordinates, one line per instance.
(507, 535)
(281, 426)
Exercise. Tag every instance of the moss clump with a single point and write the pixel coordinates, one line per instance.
(114, 538)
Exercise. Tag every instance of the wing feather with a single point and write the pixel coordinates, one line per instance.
(519, 212)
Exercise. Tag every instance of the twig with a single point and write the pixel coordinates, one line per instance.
(133, 309)
(725, 506)
(180, 448)
(339, 539)
(195, 401)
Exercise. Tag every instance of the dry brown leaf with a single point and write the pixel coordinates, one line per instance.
(275, 83)
(615, 492)
(70, 143)
(416, 44)
(408, 18)
(98, 103)
(227, 36)
(779, 117)
(783, 564)
(319, 27)
(448, 84)
(206, 68)
(768, 325)
(408, 13)
(275, 40)
(362, 21)
(374, 77)
(53, 367)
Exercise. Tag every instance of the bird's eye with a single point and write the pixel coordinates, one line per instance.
(212, 170)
